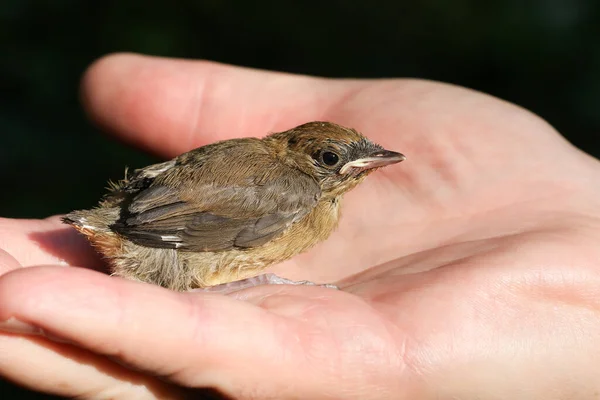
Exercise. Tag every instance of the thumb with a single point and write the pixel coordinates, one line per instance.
(163, 105)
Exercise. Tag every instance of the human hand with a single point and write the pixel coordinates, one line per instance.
(469, 271)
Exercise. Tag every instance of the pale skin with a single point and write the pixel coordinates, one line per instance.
(471, 270)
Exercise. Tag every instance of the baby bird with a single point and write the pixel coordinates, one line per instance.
(223, 212)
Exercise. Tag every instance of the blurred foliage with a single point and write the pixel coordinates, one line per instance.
(541, 54)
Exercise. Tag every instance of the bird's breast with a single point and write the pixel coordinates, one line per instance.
(235, 264)
(315, 227)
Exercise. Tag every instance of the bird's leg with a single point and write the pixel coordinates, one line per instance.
(264, 279)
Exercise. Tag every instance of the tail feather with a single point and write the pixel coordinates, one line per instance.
(95, 220)
(75, 218)
(95, 226)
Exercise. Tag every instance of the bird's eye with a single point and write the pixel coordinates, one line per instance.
(329, 158)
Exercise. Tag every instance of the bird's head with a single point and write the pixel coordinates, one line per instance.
(338, 158)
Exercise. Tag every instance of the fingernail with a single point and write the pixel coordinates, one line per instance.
(13, 325)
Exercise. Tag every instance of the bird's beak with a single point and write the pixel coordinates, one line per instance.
(378, 159)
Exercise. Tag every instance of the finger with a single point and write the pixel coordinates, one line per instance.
(170, 106)
(152, 329)
(72, 372)
(7, 262)
(46, 241)
(201, 340)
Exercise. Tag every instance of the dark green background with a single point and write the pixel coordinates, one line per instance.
(541, 54)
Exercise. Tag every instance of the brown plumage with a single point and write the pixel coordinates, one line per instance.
(225, 211)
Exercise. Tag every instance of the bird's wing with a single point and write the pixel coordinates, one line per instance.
(213, 200)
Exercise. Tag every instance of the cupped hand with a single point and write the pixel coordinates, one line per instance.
(471, 270)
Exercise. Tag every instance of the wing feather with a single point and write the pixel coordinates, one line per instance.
(215, 201)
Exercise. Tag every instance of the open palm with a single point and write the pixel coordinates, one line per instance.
(469, 271)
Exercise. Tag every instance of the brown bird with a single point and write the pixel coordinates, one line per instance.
(225, 211)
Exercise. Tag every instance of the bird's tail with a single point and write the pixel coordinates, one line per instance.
(75, 218)
(95, 220)
(95, 226)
